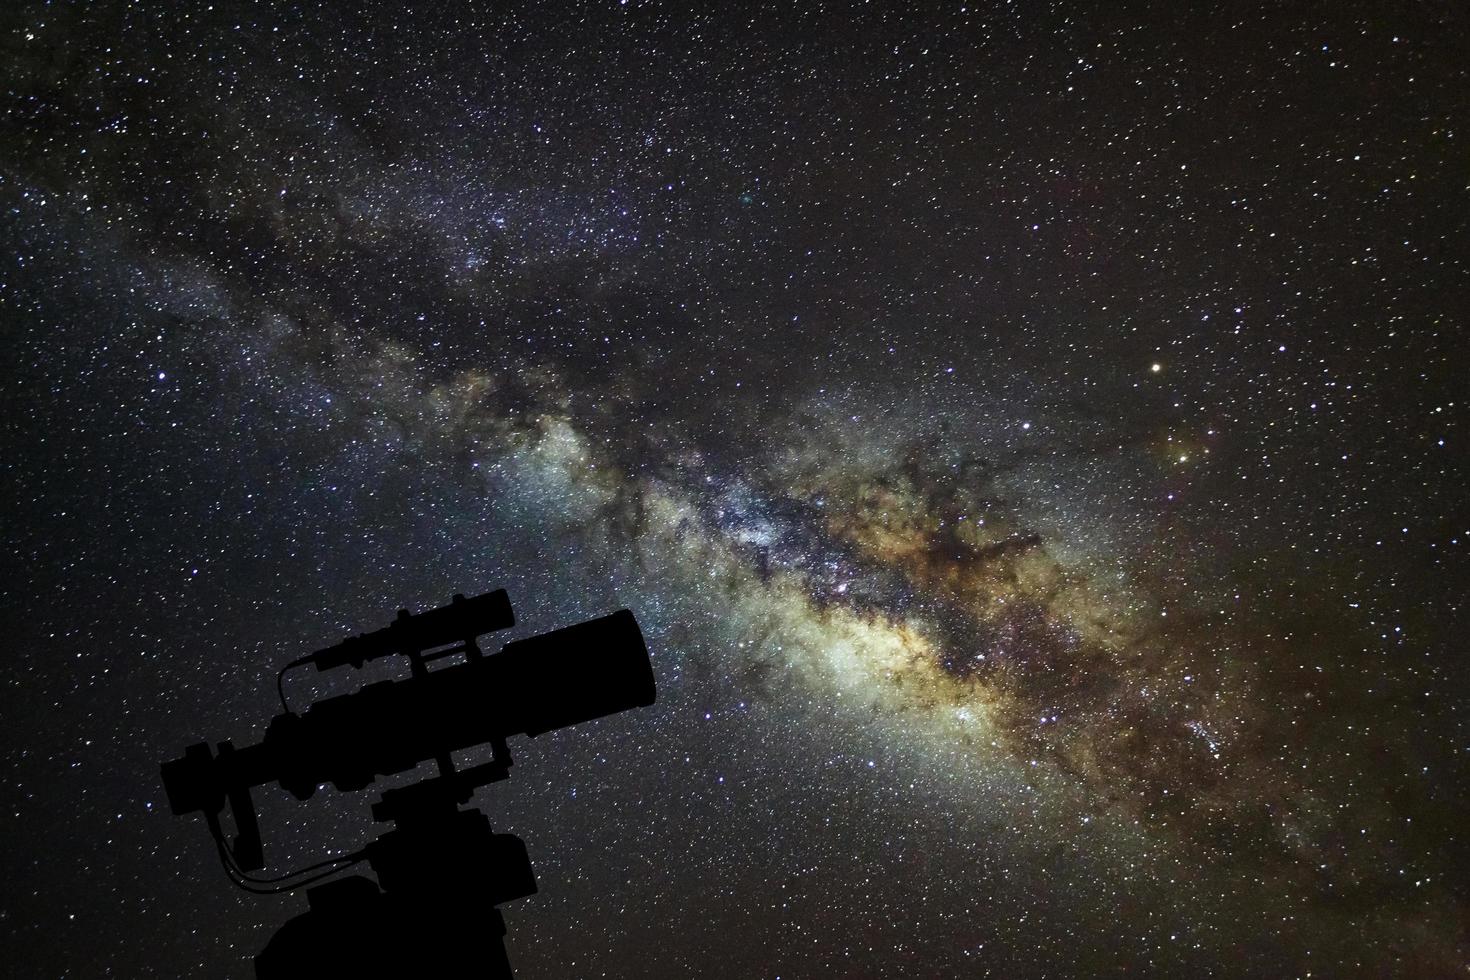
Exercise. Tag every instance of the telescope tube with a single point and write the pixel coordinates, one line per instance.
(532, 686)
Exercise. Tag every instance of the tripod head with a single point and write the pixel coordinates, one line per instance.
(530, 686)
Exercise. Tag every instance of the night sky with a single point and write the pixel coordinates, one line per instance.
(1032, 437)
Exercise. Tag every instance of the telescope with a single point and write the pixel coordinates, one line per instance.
(440, 871)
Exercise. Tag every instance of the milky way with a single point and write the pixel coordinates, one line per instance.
(1029, 440)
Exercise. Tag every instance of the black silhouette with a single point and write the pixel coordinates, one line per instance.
(441, 872)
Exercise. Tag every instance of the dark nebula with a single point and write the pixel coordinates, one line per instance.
(1028, 434)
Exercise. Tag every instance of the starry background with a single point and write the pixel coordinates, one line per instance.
(1031, 436)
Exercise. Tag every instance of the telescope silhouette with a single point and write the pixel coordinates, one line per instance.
(440, 870)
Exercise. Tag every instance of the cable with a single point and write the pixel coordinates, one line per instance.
(232, 869)
(281, 680)
(233, 866)
(344, 860)
(245, 881)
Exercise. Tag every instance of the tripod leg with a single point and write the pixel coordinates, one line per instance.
(497, 962)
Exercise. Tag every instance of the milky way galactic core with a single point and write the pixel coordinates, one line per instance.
(1028, 435)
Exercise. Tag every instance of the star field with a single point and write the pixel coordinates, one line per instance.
(1028, 434)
